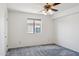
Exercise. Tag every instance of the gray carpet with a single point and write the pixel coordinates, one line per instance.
(46, 50)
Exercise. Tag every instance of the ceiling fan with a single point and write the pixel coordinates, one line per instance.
(50, 7)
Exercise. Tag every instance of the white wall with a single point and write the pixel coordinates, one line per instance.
(18, 36)
(3, 33)
(67, 28)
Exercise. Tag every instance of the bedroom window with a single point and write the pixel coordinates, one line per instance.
(34, 25)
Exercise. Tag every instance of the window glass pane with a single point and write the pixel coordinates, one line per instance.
(30, 28)
(38, 28)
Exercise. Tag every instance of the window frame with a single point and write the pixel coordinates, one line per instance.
(34, 25)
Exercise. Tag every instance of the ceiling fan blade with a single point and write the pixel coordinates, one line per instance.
(54, 9)
(56, 4)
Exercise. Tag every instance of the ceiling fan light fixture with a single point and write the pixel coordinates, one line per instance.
(44, 13)
(48, 8)
(49, 12)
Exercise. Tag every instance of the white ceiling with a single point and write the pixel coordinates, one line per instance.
(37, 7)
